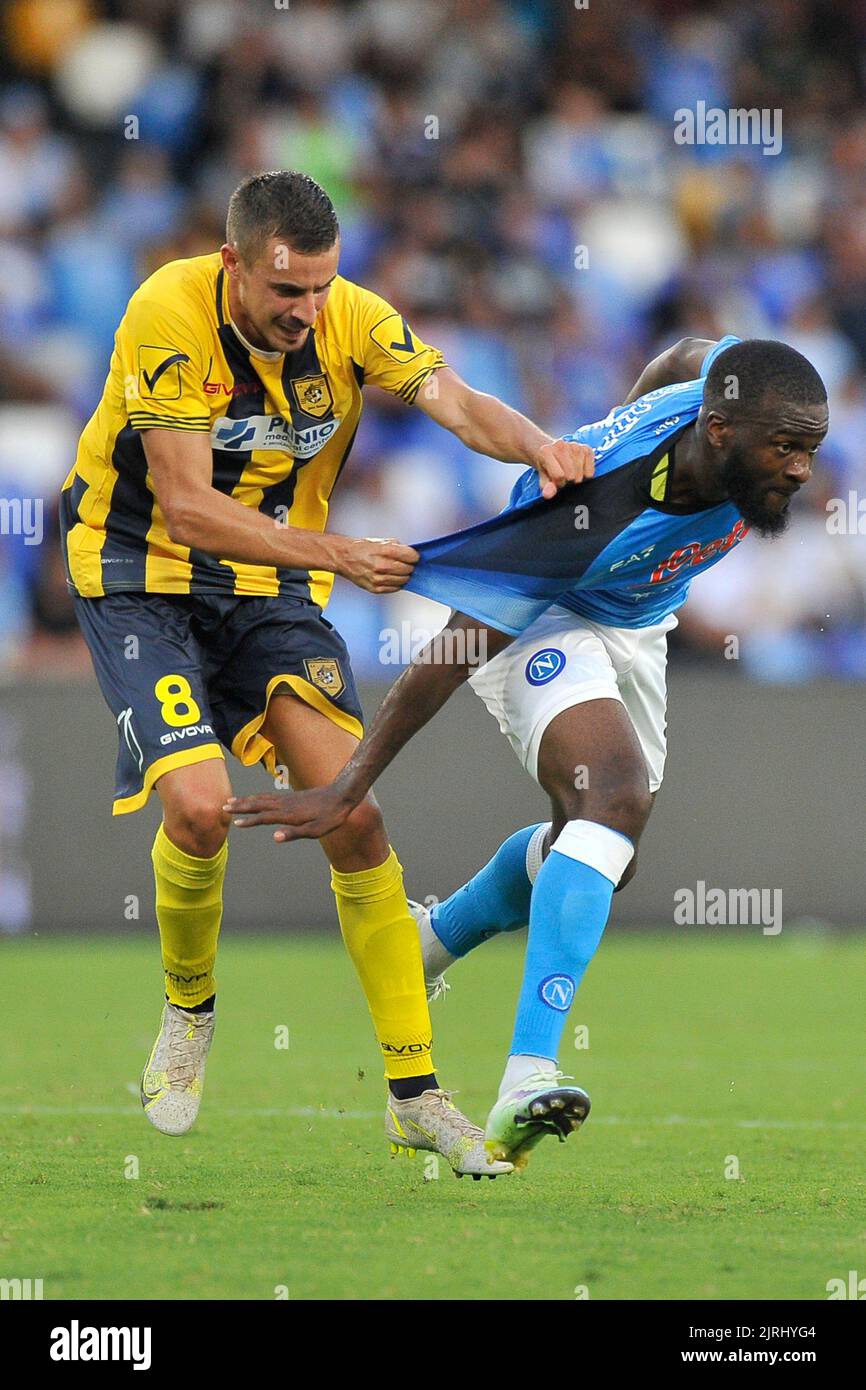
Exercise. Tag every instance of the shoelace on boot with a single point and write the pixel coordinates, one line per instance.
(184, 1054)
(442, 1099)
(437, 989)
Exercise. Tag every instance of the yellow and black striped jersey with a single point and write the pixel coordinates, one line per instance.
(281, 426)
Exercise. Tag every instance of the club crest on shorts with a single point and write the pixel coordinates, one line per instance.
(325, 674)
(557, 991)
(545, 665)
(313, 395)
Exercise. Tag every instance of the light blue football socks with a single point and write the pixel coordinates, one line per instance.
(568, 914)
(565, 898)
(496, 899)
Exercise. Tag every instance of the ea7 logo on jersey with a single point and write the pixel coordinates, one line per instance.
(313, 395)
(159, 373)
(633, 559)
(696, 554)
(544, 665)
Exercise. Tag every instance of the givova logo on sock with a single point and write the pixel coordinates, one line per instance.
(557, 991)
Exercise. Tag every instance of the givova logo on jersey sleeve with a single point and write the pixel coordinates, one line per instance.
(270, 432)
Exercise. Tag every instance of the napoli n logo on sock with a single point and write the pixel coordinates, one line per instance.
(557, 991)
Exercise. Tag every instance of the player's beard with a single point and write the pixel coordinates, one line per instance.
(749, 496)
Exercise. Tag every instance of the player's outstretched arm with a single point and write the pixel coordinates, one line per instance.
(198, 515)
(422, 690)
(682, 362)
(488, 426)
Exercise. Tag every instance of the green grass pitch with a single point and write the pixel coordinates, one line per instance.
(706, 1051)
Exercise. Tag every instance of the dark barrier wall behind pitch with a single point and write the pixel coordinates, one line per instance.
(765, 788)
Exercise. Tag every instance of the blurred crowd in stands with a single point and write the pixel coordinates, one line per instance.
(507, 175)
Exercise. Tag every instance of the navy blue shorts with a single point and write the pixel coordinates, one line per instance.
(185, 675)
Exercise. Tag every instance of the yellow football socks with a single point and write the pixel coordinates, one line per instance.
(382, 940)
(189, 906)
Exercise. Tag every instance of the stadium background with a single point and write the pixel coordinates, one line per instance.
(506, 174)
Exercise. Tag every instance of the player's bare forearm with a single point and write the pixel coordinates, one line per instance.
(488, 426)
(199, 516)
(682, 362)
(413, 700)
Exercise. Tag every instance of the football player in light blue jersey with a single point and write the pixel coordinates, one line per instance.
(571, 601)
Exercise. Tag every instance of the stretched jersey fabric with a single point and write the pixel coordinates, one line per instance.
(281, 426)
(613, 548)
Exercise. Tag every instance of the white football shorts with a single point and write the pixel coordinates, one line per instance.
(564, 659)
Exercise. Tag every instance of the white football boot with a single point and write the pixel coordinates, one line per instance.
(172, 1081)
(433, 1123)
(434, 955)
(536, 1106)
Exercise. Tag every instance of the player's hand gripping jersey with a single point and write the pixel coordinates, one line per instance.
(281, 427)
(612, 549)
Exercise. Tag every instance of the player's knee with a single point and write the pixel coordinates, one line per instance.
(197, 824)
(363, 832)
(626, 807)
(366, 820)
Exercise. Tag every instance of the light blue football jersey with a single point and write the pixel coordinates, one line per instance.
(612, 549)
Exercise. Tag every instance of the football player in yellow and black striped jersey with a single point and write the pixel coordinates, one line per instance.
(280, 424)
(193, 524)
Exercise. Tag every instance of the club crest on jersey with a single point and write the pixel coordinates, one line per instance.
(159, 372)
(325, 674)
(557, 991)
(545, 665)
(313, 395)
(697, 554)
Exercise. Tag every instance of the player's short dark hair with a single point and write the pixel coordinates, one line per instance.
(283, 203)
(762, 372)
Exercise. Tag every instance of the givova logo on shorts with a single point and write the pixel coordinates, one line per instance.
(545, 665)
(557, 991)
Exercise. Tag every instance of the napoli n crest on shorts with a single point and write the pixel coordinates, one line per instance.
(325, 674)
(545, 665)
